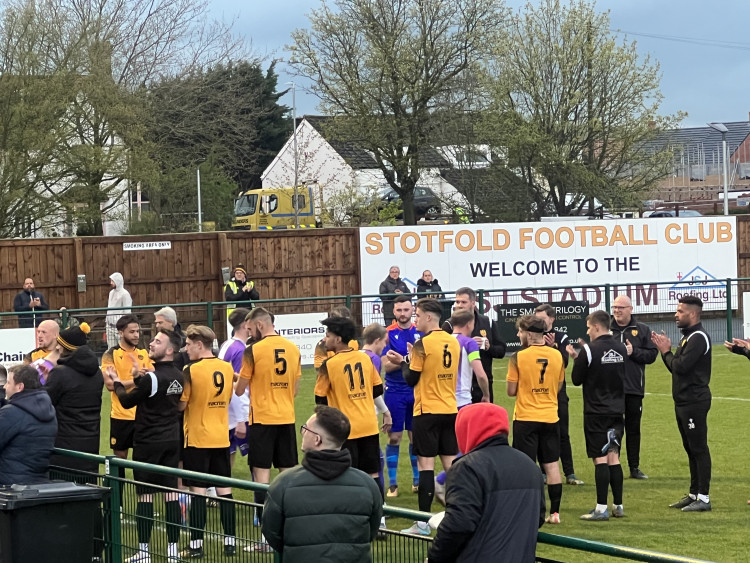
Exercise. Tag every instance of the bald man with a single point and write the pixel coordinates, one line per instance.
(641, 351)
(46, 338)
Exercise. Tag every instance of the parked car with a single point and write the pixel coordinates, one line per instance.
(426, 202)
(671, 213)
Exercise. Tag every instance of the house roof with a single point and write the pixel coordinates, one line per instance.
(360, 158)
(696, 141)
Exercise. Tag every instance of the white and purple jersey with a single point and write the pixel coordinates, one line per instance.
(469, 353)
(239, 407)
(376, 360)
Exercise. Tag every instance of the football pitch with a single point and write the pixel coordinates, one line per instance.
(720, 535)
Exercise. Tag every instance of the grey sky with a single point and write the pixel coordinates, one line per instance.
(699, 76)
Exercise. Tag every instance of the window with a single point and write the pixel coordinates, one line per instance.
(298, 202)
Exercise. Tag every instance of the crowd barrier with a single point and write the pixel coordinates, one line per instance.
(119, 539)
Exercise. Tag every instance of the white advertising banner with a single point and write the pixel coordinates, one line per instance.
(15, 343)
(696, 252)
(305, 330)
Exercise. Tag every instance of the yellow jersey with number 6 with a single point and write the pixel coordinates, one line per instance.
(436, 356)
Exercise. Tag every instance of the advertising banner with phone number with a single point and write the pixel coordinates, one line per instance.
(571, 320)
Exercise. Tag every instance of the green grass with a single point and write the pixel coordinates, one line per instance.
(716, 536)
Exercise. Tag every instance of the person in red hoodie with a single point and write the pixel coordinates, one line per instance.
(494, 495)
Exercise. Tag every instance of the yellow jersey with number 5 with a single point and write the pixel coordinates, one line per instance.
(273, 367)
(207, 389)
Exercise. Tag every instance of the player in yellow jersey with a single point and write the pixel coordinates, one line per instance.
(272, 367)
(349, 382)
(126, 358)
(432, 371)
(321, 353)
(207, 390)
(535, 376)
(46, 339)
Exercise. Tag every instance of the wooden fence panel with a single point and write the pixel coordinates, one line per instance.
(284, 264)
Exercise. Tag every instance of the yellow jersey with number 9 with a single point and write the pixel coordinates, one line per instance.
(207, 389)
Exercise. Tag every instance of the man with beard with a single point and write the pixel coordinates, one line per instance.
(271, 367)
(690, 365)
(126, 358)
(399, 396)
(46, 340)
(156, 440)
(29, 300)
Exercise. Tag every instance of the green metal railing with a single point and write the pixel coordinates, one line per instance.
(119, 537)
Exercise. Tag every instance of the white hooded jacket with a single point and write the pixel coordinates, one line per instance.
(119, 302)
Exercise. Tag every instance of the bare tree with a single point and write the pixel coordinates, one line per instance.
(573, 109)
(380, 66)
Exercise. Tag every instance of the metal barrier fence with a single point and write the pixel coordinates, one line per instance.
(116, 539)
(653, 303)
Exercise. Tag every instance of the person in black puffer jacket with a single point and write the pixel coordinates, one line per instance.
(335, 511)
(75, 387)
(494, 495)
(27, 429)
(429, 284)
(392, 284)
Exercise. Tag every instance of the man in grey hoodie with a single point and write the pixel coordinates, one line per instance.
(119, 304)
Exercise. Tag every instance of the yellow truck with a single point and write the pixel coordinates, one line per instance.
(273, 208)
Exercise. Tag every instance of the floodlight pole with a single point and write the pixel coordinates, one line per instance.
(296, 156)
(721, 128)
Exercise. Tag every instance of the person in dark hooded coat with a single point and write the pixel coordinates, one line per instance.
(494, 495)
(75, 388)
(27, 429)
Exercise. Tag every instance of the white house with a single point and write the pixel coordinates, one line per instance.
(336, 166)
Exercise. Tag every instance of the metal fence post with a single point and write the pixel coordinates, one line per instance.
(607, 298)
(729, 309)
(115, 539)
(210, 315)
(480, 298)
(349, 302)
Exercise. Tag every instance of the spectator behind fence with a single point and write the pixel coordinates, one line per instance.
(392, 284)
(31, 302)
(335, 513)
(429, 285)
(166, 319)
(495, 494)
(27, 429)
(118, 304)
(66, 320)
(240, 289)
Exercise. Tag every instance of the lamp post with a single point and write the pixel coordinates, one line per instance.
(200, 211)
(721, 128)
(296, 157)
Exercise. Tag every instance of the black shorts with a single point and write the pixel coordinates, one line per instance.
(159, 453)
(434, 434)
(365, 452)
(121, 433)
(595, 428)
(538, 440)
(271, 444)
(214, 461)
